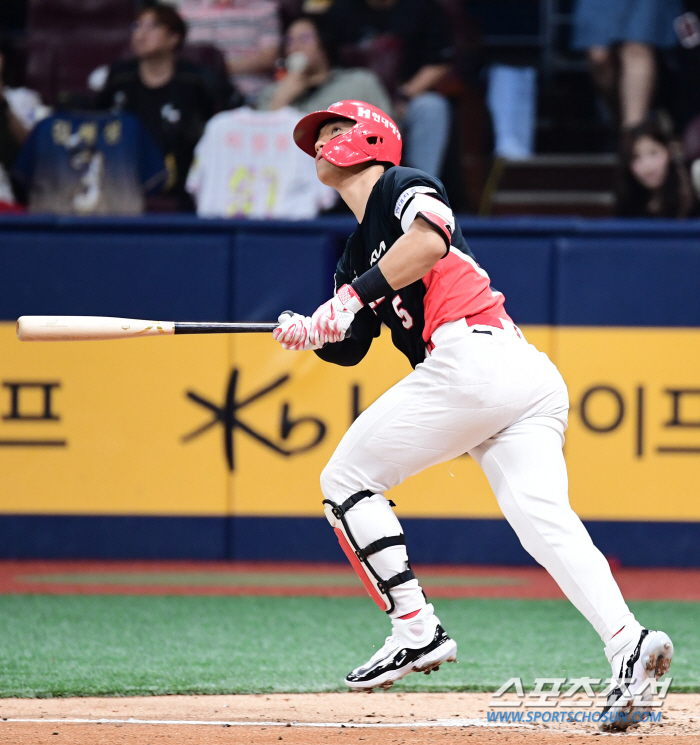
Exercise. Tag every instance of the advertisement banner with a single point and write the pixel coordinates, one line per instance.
(234, 425)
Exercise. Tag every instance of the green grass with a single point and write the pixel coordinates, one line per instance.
(128, 645)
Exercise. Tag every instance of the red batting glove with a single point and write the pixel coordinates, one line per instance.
(330, 322)
(293, 333)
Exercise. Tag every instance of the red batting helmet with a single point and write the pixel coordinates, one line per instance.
(374, 136)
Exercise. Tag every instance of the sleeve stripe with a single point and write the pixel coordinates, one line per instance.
(440, 224)
(421, 203)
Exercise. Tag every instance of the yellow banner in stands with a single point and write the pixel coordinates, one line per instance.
(217, 425)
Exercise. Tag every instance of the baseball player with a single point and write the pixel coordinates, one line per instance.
(477, 387)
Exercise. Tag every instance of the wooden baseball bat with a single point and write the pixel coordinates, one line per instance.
(92, 328)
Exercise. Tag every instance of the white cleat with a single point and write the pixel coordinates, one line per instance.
(639, 657)
(417, 644)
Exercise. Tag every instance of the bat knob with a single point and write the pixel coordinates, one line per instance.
(284, 313)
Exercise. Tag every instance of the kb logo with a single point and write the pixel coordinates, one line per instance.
(228, 416)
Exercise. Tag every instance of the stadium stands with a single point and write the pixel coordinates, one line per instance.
(68, 39)
(576, 141)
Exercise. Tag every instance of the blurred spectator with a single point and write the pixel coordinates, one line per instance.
(89, 164)
(212, 66)
(685, 83)
(247, 165)
(246, 31)
(313, 82)
(512, 101)
(621, 37)
(172, 97)
(20, 109)
(423, 31)
(654, 181)
(691, 140)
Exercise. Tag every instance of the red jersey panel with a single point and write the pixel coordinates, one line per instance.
(457, 287)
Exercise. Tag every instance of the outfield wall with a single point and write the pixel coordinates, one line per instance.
(211, 447)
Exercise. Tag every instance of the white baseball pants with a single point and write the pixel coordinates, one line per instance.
(496, 397)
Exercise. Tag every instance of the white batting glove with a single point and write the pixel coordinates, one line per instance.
(293, 332)
(332, 320)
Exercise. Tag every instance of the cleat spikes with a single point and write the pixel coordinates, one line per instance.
(641, 660)
(402, 654)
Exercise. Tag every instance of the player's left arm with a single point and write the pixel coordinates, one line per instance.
(413, 255)
(427, 223)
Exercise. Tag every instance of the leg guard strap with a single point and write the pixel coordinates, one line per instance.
(398, 579)
(380, 545)
(340, 509)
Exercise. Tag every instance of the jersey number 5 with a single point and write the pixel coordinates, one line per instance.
(402, 313)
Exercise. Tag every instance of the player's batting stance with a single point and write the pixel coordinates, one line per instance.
(477, 387)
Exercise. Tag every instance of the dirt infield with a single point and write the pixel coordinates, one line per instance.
(336, 580)
(310, 719)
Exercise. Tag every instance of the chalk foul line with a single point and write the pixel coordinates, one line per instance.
(454, 723)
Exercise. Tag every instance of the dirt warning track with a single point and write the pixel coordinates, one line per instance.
(327, 580)
(309, 719)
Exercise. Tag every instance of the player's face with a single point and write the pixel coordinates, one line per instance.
(650, 162)
(327, 172)
(151, 38)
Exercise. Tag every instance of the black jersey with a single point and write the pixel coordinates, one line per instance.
(455, 288)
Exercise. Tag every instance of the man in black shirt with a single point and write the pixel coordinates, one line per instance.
(13, 134)
(172, 97)
(477, 387)
(422, 29)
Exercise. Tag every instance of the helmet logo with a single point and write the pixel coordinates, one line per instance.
(377, 117)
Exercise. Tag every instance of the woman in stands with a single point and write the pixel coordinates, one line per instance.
(654, 179)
